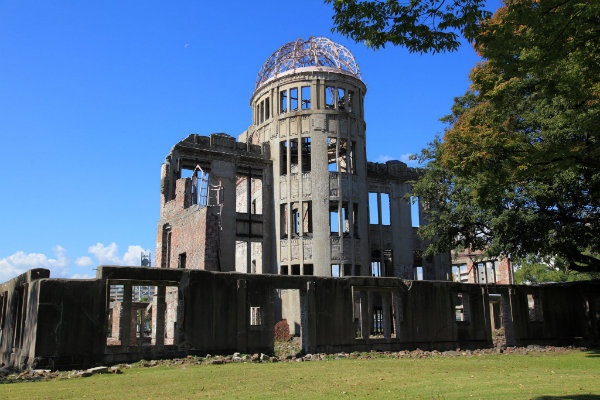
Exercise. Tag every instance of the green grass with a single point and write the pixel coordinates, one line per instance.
(572, 374)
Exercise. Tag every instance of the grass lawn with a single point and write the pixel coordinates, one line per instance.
(570, 374)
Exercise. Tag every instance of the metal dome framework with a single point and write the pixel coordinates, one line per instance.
(314, 52)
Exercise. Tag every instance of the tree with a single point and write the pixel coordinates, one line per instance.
(419, 25)
(518, 169)
(534, 270)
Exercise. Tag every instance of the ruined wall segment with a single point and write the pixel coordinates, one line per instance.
(200, 220)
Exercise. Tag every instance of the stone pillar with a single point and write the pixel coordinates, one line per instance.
(365, 326)
(126, 317)
(398, 313)
(242, 315)
(158, 317)
(308, 318)
(387, 317)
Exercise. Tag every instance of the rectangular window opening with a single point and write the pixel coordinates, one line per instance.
(376, 269)
(307, 225)
(294, 156)
(373, 209)
(462, 307)
(305, 91)
(306, 151)
(534, 308)
(283, 155)
(255, 316)
(415, 214)
(347, 269)
(335, 270)
(267, 109)
(346, 218)
(295, 269)
(283, 270)
(385, 209)
(329, 97)
(341, 99)
(332, 154)
(284, 220)
(294, 99)
(308, 269)
(283, 102)
(334, 218)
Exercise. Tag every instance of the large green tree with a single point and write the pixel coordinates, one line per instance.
(419, 25)
(518, 169)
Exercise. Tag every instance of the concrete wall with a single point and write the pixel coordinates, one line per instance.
(199, 312)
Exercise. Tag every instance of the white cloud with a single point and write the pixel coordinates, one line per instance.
(20, 262)
(406, 158)
(84, 261)
(60, 266)
(109, 255)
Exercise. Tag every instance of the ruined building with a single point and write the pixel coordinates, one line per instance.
(290, 221)
(295, 194)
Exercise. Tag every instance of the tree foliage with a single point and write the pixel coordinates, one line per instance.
(419, 25)
(534, 270)
(518, 169)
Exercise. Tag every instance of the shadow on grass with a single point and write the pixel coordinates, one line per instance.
(570, 397)
(593, 352)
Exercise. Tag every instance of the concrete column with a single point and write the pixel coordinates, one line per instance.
(365, 322)
(158, 317)
(397, 300)
(125, 318)
(509, 329)
(387, 317)
(309, 318)
(242, 315)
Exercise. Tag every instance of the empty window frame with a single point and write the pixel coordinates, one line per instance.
(460, 273)
(255, 316)
(376, 269)
(462, 307)
(296, 220)
(534, 308)
(308, 269)
(307, 225)
(345, 218)
(305, 92)
(329, 97)
(283, 270)
(284, 219)
(283, 157)
(306, 154)
(347, 269)
(334, 218)
(379, 208)
(261, 112)
(335, 270)
(294, 99)
(267, 108)
(294, 156)
(415, 212)
(418, 276)
(332, 152)
(296, 269)
(166, 246)
(341, 99)
(283, 101)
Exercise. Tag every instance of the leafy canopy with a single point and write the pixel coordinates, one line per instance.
(419, 25)
(518, 169)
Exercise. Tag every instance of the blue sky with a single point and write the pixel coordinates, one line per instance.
(94, 94)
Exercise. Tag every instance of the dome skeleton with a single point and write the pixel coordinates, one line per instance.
(314, 52)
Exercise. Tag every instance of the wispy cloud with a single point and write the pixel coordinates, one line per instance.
(61, 266)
